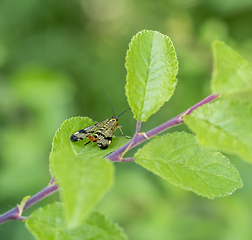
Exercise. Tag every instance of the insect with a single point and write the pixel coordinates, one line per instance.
(101, 132)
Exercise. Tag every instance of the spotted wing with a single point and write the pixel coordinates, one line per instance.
(105, 134)
(83, 133)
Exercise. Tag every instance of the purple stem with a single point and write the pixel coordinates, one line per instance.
(126, 160)
(138, 127)
(139, 138)
(15, 214)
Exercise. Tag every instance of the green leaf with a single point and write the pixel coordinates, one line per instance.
(231, 72)
(152, 66)
(74, 124)
(22, 205)
(179, 159)
(83, 180)
(224, 125)
(47, 223)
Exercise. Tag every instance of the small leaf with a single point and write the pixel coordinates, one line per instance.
(231, 72)
(83, 180)
(22, 205)
(47, 223)
(74, 124)
(152, 66)
(179, 159)
(224, 125)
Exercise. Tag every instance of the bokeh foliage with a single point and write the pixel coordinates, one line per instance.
(54, 55)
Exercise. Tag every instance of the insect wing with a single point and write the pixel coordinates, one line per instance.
(105, 134)
(83, 133)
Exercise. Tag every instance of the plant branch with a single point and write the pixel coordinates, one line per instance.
(15, 212)
(139, 138)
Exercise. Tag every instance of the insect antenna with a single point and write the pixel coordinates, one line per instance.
(109, 101)
(123, 112)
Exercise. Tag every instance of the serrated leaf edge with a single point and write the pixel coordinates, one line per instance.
(209, 173)
(175, 69)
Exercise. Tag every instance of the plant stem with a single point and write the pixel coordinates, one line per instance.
(126, 160)
(139, 138)
(15, 214)
(138, 127)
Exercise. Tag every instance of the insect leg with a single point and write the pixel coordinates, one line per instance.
(120, 127)
(87, 143)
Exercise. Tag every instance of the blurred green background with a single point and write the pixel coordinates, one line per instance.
(54, 57)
